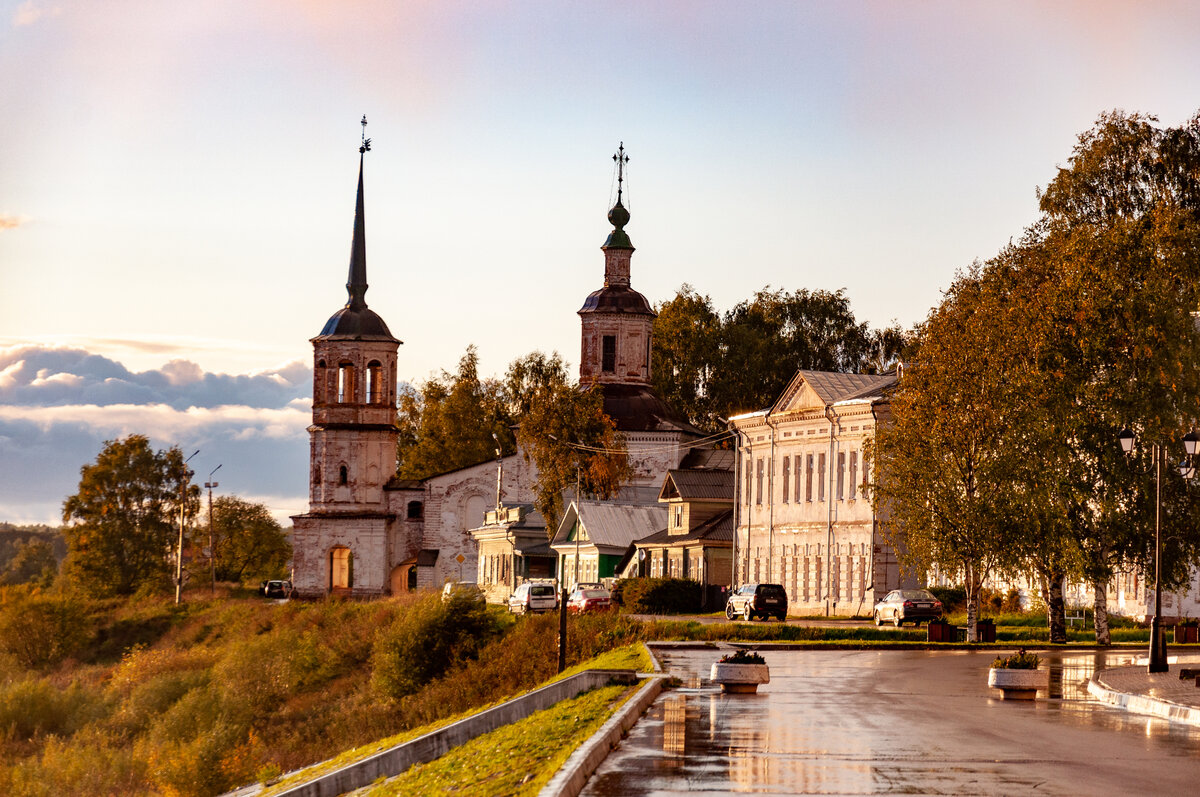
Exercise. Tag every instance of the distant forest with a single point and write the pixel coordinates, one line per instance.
(30, 553)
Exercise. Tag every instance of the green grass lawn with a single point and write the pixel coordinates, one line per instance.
(517, 759)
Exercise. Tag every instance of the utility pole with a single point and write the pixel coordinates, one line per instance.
(183, 481)
(212, 551)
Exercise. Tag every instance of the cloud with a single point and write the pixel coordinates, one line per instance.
(10, 221)
(47, 376)
(30, 12)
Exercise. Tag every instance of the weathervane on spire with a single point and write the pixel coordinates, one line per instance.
(621, 158)
(366, 142)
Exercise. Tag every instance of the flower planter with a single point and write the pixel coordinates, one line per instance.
(739, 678)
(1018, 684)
(1187, 634)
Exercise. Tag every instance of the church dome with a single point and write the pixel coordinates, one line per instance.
(356, 324)
(616, 299)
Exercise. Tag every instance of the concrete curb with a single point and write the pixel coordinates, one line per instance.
(1142, 704)
(394, 760)
(571, 778)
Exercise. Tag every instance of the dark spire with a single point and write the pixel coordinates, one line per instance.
(356, 285)
(619, 216)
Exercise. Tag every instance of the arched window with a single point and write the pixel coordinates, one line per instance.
(376, 393)
(345, 383)
(341, 568)
(416, 510)
(343, 475)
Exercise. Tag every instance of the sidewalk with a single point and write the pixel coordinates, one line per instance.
(1163, 695)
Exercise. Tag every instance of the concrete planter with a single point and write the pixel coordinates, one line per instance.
(1019, 684)
(739, 678)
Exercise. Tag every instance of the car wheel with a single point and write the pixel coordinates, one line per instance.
(782, 617)
(878, 619)
(729, 612)
(748, 613)
(896, 621)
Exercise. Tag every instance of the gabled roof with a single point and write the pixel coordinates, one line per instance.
(717, 529)
(697, 485)
(709, 459)
(609, 524)
(810, 389)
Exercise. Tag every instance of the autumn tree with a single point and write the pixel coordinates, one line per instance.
(121, 525)
(449, 422)
(565, 432)
(248, 543)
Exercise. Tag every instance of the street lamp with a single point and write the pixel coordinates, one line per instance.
(183, 480)
(212, 551)
(1157, 660)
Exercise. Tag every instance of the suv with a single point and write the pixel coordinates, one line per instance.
(758, 600)
(276, 589)
(533, 596)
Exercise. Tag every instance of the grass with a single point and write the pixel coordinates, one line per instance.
(517, 759)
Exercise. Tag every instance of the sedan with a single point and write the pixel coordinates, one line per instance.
(908, 606)
(589, 599)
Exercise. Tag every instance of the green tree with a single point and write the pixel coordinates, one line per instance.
(686, 357)
(565, 433)
(449, 422)
(248, 542)
(32, 561)
(122, 523)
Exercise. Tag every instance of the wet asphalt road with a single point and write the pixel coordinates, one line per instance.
(896, 722)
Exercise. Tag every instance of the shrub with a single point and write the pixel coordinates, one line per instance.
(661, 595)
(427, 641)
(953, 598)
(1021, 660)
(39, 631)
(33, 706)
(742, 656)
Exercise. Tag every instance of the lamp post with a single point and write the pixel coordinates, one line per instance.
(1157, 660)
(183, 480)
(212, 551)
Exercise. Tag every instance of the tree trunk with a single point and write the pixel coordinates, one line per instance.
(973, 587)
(1056, 615)
(1100, 607)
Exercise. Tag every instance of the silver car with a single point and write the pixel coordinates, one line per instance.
(533, 597)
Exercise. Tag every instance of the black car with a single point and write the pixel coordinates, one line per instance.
(758, 600)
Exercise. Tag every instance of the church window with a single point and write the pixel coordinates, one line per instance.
(345, 383)
(416, 510)
(609, 354)
(343, 475)
(376, 394)
(787, 472)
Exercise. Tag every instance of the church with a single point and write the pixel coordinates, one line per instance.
(368, 533)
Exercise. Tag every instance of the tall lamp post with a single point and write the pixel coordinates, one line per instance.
(212, 551)
(1157, 660)
(183, 480)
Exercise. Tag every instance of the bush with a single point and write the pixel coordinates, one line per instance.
(953, 598)
(40, 631)
(661, 595)
(33, 706)
(1021, 660)
(428, 640)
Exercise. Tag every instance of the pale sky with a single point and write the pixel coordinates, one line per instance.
(177, 184)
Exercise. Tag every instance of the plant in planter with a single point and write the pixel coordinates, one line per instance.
(1187, 631)
(1017, 676)
(740, 672)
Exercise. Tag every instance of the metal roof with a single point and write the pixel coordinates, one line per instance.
(636, 408)
(833, 387)
(697, 485)
(611, 525)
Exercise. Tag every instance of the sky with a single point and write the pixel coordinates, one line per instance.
(177, 185)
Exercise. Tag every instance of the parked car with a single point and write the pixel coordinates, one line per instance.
(533, 596)
(758, 600)
(276, 589)
(589, 599)
(908, 606)
(461, 586)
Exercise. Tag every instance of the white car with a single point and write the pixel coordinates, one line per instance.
(534, 597)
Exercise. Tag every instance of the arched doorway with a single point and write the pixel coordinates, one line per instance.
(341, 568)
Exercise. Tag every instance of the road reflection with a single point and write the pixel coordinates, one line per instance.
(888, 722)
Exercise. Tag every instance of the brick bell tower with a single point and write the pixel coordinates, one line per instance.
(341, 545)
(616, 319)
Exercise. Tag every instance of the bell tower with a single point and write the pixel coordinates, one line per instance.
(352, 439)
(616, 319)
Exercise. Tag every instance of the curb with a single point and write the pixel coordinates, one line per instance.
(1141, 704)
(570, 779)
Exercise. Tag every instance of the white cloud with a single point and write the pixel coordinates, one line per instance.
(30, 12)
